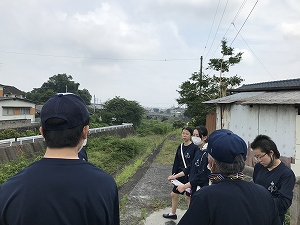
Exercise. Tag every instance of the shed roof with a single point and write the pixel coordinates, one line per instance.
(262, 97)
(292, 84)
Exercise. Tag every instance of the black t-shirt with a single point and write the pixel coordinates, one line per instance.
(231, 202)
(280, 182)
(189, 152)
(60, 191)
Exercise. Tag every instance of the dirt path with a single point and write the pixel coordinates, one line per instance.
(148, 190)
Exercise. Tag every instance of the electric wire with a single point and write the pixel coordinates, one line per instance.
(217, 29)
(244, 23)
(255, 54)
(236, 16)
(211, 27)
(98, 58)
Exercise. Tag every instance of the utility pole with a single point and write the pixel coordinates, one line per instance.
(94, 103)
(201, 59)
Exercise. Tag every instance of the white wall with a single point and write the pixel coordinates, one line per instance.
(276, 121)
(16, 103)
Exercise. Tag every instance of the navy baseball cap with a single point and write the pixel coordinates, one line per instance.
(224, 146)
(66, 106)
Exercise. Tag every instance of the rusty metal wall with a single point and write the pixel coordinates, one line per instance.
(211, 122)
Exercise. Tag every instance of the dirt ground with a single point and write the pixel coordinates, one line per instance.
(148, 190)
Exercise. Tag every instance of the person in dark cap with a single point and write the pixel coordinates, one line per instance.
(230, 199)
(61, 188)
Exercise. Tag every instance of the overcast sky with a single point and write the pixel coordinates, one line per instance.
(142, 50)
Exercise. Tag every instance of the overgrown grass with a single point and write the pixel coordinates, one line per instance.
(110, 153)
(123, 203)
(9, 169)
(168, 151)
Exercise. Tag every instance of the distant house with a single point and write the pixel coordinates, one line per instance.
(10, 91)
(15, 109)
(271, 108)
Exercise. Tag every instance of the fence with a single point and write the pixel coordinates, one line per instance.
(33, 139)
(10, 149)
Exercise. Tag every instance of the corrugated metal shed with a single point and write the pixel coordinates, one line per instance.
(265, 97)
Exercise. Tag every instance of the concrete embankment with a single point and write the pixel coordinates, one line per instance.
(12, 152)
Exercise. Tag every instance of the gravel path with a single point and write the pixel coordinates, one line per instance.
(146, 190)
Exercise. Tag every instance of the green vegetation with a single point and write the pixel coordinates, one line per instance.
(59, 83)
(12, 133)
(152, 127)
(123, 203)
(202, 87)
(117, 156)
(119, 110)
(10, 169)
(167, 153)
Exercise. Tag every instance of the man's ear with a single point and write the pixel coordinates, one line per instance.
(85, 131)
(41, 131)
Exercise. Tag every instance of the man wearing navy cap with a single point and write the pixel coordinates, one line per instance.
(61, 188)
(229, 199)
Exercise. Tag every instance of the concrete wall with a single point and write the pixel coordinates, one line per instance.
(13, 152)
(5, 124)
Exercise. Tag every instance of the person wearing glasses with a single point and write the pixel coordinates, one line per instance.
(229, 199)
(272, 173)
(60, 188)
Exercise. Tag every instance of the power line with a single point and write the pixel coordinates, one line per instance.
(254, 54)
(98, 58)
(236, 15)
(218, 27)
(211, 26)
(243, 23)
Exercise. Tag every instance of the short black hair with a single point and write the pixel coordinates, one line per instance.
(189, 129)
(265, 144)
(62, 138)
(202, 131)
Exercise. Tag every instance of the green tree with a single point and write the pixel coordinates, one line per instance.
(222, 65)
(119, 110)
(201, 87)
(59, 83)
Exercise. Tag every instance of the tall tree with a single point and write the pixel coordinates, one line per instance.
(222, 65)
(59, 83)
(201, 87)
(119, 110)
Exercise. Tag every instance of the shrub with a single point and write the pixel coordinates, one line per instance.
(9, 133)
(178, 124)
(151, 127)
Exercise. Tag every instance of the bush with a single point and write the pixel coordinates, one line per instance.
(9, 133)
(13, 167)
(152, 127)
(178, 124)
(110, 152)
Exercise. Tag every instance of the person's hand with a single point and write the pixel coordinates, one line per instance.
(181, 188)
(171, 177)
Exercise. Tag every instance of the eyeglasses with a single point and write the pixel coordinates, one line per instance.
(258, 158)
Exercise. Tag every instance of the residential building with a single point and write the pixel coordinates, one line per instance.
(15, 109)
